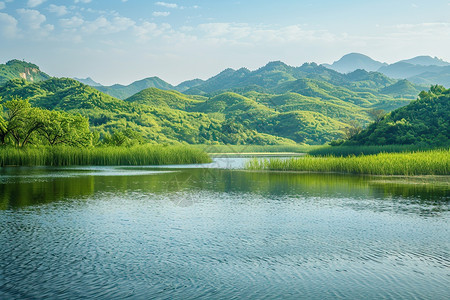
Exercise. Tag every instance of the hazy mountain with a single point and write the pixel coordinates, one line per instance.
(426, 61)
(264, 79)
(402, 88)
(419, 74)
(402, 70)
(185, 85)
(21, 69)
(353, 61)
(436, 76)
(88, 81)
(125, 91)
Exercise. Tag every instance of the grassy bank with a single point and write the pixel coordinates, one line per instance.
(238, 149)
(68, 156)
(364, 150)
(434, 162)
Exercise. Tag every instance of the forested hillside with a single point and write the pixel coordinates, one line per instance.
(425, 121)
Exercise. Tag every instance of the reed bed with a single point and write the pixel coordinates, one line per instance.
(365, 150)
(433, 162)
(104, 156)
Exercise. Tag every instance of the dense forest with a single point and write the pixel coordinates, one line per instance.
(425, 121)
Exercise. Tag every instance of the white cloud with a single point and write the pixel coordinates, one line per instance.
(31, 18)
(147, 31)
(244, 33)
(102, 25)
(34, 3)
(2, 5)
(72, 22)
(168, 5)
(34, 21)
(8, 25)
(161, 13)
(58, 10)
(82, 1)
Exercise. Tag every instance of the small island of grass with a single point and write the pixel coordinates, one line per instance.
(433, 162)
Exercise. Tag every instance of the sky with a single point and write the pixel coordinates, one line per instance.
(120, 41)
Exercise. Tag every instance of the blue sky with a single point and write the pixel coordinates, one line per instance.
(118, 41)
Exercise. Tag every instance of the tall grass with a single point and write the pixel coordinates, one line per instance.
(238, 149)
(434, 162)
(68, 156)
(364, 150)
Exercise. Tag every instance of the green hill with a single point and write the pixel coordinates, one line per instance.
(402, 88)
(19, 69)
(167, 99)
(305, 127)
(425, 121)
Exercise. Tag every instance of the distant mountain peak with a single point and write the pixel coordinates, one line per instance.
(424, 60)
(354, 61)
(88, 81)
(274, 65)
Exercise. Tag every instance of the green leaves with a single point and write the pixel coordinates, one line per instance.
(22, 124)
(425, 121)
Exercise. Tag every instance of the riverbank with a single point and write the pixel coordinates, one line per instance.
(433, 162)
(102, 156)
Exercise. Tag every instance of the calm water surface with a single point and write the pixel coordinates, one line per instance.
(217, 231)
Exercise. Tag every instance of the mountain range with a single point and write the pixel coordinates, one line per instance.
(421, 70)
(425, 70)
(275, 104)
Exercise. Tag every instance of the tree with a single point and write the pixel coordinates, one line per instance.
(376, 114)
(64, 128)
(352, 129)
(22, 121)
(3, 127)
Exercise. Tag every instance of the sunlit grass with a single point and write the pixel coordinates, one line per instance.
(67, 156)
(364, 150)
(434, 162)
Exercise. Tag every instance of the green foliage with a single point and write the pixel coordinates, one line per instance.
(435, 162)
(68, 156)
(21, 124)
(167, 99)
(425, 121)
(64, 128)
(363, 150)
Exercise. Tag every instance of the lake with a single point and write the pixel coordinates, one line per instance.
(217, 231)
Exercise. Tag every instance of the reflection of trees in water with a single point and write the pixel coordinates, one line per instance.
(24, 192)
(184, 187)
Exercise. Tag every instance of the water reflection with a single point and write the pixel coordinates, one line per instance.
(21, 187)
